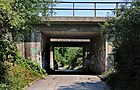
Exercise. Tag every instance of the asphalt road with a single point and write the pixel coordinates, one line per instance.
(69, 82)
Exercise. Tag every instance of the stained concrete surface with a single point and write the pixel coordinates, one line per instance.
(69, 82)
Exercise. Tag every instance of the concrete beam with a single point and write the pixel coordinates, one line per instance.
(84, 20)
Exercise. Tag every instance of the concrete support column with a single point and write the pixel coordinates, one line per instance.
(109, 50)
(86, 62)
(51, 58)
(94, 62)
(98, 54)
(106, 54)
(46, 52)
(83, 56)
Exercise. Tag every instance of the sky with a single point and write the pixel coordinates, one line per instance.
(89, 13)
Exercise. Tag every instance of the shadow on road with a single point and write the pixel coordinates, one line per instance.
(85, 86)
(71, 72)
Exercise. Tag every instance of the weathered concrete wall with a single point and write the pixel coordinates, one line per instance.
(45, 52)
(97, 50)
(109, 52)
(32, 48)
(68, 19)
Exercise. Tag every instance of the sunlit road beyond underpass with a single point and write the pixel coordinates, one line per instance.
(69, 82)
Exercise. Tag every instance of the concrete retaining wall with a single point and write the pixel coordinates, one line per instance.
(31, 49)
(98, 54)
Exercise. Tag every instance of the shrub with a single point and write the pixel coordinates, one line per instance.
(19, 74)
(126, 31)
(3, 72)
(28, 64)
(110, 77)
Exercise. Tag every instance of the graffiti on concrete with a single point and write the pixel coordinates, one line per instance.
(36, 51)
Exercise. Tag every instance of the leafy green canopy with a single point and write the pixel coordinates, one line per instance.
(71, 56)
(16, 19)
(125, 29)
(17, 16)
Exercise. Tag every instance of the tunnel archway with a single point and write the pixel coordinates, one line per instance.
(39, 47)
(95, 46)
(78, 28)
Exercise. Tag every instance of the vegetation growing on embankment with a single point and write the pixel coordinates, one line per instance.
(17, 75)
(16, 20)
(125, 29)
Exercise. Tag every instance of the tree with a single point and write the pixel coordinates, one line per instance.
(71, 56)
(125, 29)
(16, 19)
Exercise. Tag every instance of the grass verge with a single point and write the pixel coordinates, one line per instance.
(20, 74)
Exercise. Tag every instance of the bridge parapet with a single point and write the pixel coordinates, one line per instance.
(90, 9)
(67, 20)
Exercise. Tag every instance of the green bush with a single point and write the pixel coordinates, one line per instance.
(69, 57)
(126, 31)
(19, 74)
(3, 72)
(104, 76)
(21, 77)
(111, 78)
(28, 64)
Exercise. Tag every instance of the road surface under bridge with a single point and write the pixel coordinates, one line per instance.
(69, 82)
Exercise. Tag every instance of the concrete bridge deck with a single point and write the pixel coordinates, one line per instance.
(75, 20)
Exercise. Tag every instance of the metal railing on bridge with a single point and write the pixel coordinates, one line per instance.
(93, 9)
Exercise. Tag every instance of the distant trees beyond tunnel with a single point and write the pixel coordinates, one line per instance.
(69, 57)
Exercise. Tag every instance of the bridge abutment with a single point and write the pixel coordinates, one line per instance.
(98, 54)
(39, 48)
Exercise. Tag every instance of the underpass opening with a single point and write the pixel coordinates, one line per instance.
(68, 58)
(71, 55)
(93, 43)
(41, 43)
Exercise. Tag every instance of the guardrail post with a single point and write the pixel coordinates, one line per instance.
(73, 9)
(95, 9)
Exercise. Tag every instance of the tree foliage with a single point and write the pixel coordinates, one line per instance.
(68, 56)
(18, 15)
(16, 19)
(125, 29)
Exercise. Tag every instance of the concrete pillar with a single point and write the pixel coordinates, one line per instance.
(45, 52)
(84, 55)
(51, 58)
(94, 63)
(86, 62)
(106, 54)
(109, 50)
(97, 49)
(47, 61)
